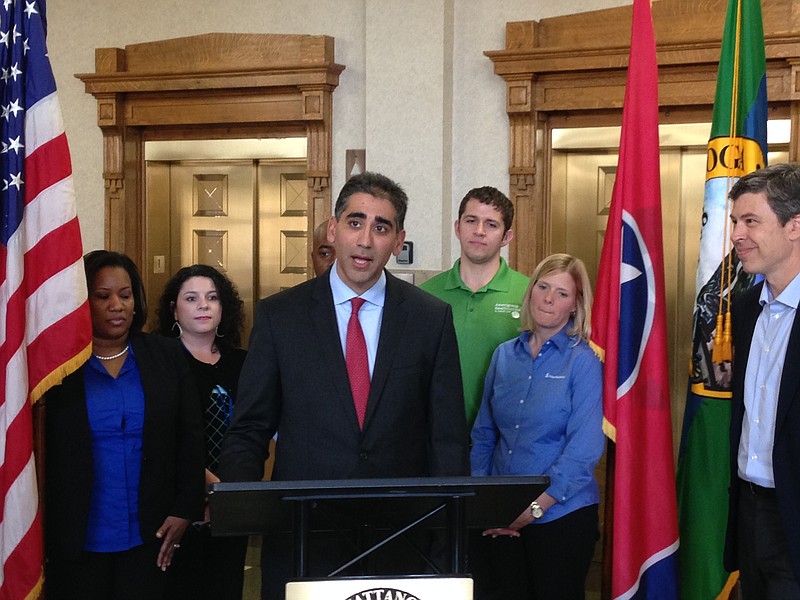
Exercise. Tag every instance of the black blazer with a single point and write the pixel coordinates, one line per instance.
(294, 382)
(172, 479)
(786, 450)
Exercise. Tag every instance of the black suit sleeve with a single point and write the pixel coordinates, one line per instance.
(448, 435)
(190, 456)
(256, 413)
(173, 478)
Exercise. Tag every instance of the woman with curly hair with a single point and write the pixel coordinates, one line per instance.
(201, 307)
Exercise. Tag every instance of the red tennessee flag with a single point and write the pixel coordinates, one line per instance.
(629, 334)
(45, 329)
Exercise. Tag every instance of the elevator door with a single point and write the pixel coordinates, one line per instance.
(283, 249)
(212, 210)
(582, 183)
(246, 218)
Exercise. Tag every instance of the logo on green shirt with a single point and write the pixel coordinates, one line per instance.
(512, 309)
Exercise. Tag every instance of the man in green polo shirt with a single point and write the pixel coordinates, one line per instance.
(485, 293)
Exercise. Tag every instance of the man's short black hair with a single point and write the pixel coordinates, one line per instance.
(493, 197)
(376, 185)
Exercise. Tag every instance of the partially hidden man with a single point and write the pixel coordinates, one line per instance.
(763, 540)
(484, 292)
(305, 376)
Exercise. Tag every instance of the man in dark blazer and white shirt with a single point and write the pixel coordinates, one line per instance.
(295, 380)
(763, 539)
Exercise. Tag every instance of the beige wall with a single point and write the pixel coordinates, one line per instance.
(417, 92)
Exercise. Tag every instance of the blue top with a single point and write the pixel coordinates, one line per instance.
(116, 419)
(543, 416)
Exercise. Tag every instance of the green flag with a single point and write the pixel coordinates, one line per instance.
(737, 146)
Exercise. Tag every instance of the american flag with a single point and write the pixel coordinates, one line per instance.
(45, 328)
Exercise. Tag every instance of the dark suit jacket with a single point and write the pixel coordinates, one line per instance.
(172, 478)
(786, 450)
(294, 381)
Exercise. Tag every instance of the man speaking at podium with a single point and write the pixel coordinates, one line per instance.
(356, 371)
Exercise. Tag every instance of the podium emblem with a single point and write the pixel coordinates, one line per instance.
(383, 594)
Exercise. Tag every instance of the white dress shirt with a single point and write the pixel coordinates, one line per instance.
(762, 382)
(370, 314)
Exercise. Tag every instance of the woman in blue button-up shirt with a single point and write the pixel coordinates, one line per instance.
(541, 414)
(124, 450)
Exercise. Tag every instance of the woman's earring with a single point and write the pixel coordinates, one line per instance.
(178, 325)
(217, 333)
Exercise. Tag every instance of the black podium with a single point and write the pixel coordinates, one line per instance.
(452, 503)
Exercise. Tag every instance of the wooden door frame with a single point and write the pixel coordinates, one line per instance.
(570, 71)
(212, 86)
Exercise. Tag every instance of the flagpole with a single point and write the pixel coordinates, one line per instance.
(608, 523)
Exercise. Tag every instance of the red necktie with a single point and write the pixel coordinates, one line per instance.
(357, 363)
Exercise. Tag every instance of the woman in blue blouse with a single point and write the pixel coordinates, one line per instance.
(541, 414)
(124, 451)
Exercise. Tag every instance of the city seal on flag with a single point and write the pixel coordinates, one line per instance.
(383, 594)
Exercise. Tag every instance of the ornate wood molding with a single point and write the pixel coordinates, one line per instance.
(573, 69)
(210, 86)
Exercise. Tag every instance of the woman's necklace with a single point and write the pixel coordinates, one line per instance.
(113, 356)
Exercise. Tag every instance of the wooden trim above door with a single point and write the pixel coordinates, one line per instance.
(573, 69)
(211, 86)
